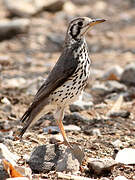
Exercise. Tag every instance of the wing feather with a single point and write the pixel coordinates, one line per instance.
(63, 69)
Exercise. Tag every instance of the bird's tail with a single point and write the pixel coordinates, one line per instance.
(31, 115)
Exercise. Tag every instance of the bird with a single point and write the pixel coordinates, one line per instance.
(67, 79)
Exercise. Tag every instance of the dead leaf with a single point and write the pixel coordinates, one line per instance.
(10, 169)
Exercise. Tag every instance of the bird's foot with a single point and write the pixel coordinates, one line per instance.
(75, 149)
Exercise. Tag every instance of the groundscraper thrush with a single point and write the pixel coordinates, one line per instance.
(67, 79)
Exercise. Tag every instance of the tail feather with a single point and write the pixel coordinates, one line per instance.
(26, 115)
(31, 115)
(23, 130)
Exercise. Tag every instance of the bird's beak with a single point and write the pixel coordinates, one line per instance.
(96, 21)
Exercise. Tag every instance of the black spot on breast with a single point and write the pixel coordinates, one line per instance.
(56, 100)
(88, 61)
(75, 79)
(60, 94)
(81, 75)
(74, 83)
(81, 50)
(77, 70)
(79, 87)
(71, 96)
(76, 92)
(82, 62)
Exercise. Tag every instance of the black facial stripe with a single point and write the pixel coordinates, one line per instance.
(77, 33)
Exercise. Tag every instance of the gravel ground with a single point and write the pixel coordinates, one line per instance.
(27, 58)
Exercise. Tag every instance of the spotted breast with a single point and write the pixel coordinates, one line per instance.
(73, 87)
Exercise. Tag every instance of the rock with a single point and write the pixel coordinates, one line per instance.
(75, 117)
(126, 156)
(80, 106)
(86, 97)
(32, 86)
(51, 130)
(120, 178)
(67, 161)
(44, 158)
(115, 86)
(83, 103)
(18, 82)
(1, 136)
(104, 178)
(98, 166)
(69, 8)
(21, 8)
(122, 114)
(100, 89)
(72, 127)
(57, 39)
(3, 173)
(81, 2)
(55, 129)
(61, 175)
(5, 101)
(53, 157)
(92, 132)
(100, 6)
(13, 27)
(128, 75)
(6, 108)
(114, 73)
(76, 107)
(53, 5)
(6, 154)
(27, 8)
(117, 144)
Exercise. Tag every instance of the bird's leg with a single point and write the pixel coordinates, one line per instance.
(59, 117)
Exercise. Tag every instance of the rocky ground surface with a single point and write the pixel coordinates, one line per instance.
(102, 123)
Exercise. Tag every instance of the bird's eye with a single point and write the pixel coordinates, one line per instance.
(80, 23)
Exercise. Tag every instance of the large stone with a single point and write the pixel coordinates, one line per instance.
(120, 178)
(13, 27)
(128, 75)
(100, 89)
(6, 154)
(114, 73)
(83, 103)
(53, 157)
(115, 86)
(98, 166)
(26, 8)
(126, 156)
(75, 117)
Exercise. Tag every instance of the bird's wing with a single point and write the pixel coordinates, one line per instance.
(63, 69)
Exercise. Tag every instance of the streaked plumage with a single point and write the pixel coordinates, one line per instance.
(67, 79)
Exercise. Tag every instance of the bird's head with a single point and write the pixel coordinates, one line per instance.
(79, 26)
